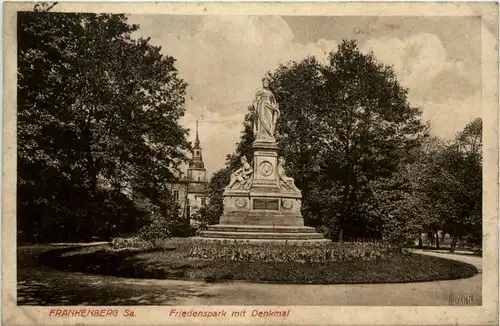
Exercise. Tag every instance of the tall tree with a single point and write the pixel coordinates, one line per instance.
(403, 203)
(343, 125)
(456, 185)
(98, 119)
(423, 175)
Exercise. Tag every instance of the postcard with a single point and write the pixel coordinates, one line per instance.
(252, 163)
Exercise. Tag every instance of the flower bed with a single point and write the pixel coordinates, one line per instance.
(286, 252)
(141, 243)
(260, 251)
(356, 263)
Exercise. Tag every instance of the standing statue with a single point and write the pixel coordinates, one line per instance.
(242, 176)
(284, 183)
(266, 113)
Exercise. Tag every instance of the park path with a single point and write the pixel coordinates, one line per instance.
(45, 286)
(436, 293)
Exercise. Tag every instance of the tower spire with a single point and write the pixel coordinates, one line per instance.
(197, 141)
(196, 166)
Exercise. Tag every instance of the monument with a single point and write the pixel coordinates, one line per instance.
(261, 202)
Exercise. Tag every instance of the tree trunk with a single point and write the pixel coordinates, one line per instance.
(453, 239)
(88, 223)
(437, 239)
(430, 239)
(187, 217)
(453, 244)
(88, 230)
(420, 244)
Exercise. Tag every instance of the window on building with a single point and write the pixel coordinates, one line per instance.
(197, 152)
(203, 201)
(199, 178)
(176, 195)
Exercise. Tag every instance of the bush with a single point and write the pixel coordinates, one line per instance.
(205, 216)
(152, 236)
(145, 244)
(177, 228)
(286, 252)
(161, 229)
(155, 230)
(131, 242)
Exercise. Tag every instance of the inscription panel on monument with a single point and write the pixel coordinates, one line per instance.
(271, 204)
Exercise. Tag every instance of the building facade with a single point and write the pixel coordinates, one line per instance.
(190, 191)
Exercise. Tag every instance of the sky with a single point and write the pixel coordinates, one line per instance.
(223, 59)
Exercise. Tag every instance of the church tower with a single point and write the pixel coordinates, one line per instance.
(196, 171)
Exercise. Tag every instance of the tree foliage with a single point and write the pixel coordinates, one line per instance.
(98, 132)
(440, 189)
(455, 184)
(344, 125)
(244, 146)
(210, 213)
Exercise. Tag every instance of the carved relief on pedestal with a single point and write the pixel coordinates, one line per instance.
(285, 183)
(266, 168)
(240, 203)
(242, 177)
(287, 204)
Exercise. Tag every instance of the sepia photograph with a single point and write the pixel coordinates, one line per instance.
(253, 160)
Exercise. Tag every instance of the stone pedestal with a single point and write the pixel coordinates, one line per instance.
(264, 211)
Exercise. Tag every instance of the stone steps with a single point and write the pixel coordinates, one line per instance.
(262, 235)
(260, 228)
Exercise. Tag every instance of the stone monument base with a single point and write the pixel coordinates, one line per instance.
(261, 216)
(262, 232)
(264, 207)
(261, 207)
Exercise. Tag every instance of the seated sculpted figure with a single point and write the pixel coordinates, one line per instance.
(241, 178)
(284, 183)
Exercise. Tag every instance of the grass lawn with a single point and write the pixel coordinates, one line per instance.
(172, 263)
